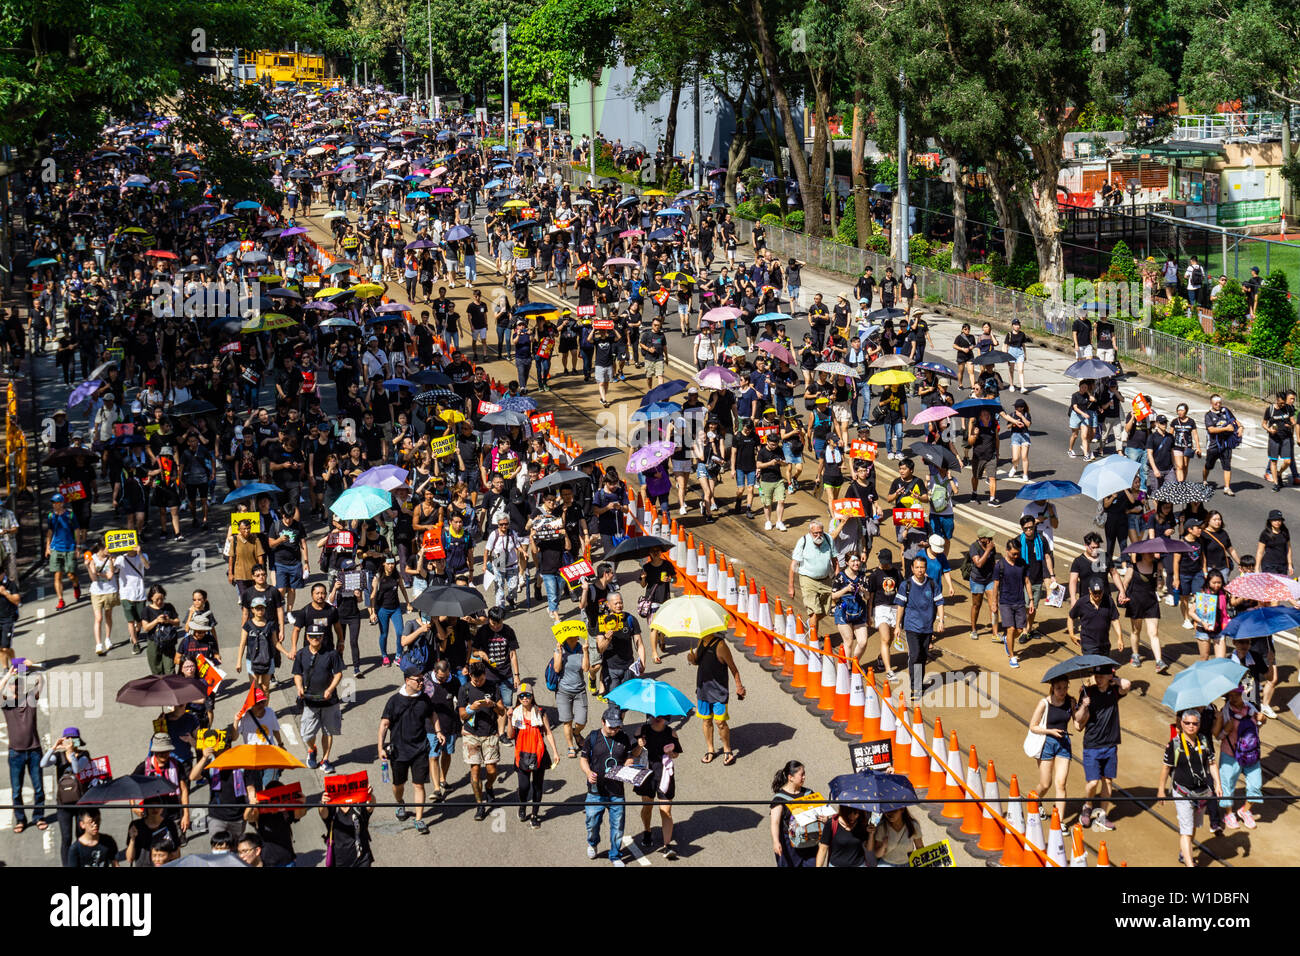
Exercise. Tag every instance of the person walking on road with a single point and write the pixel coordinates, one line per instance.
(1051, 719)
(404, 722)
(480, 708)
(101, 570)
(1225, 434)
(316, 675)
(535, 752)
(61, 547)
(603, 752)
(1189, 762)
(1098, 717)
(921, 600)
(1236, 728)
(713, 661)
(815, 562)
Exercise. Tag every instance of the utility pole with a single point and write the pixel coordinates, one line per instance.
(428, 13)
(592, 85)
(901, 252)
(403, 52)
(699, 156)
(505, 84)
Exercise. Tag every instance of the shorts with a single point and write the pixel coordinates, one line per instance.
(1190, 811)
(328, 719)
(702, 472)
(816, 594)
(1056, 747)
(943, 525)
(507, 693)
(438, 750)
(841, 412)
(63, 561)
(572, 706)
(710, 710)
(1106, 355)
(855, 620)
(604, 373)
(288, 576)
(792, 457)
(1100, 763)
(884, 614)
(482, 750)
(979, 587)
(1078, 422)
(771, 492)
(166, 496)
(1036, 594)
(101, 602)
(1218, 454)
(1018, 439)
(746, 479)
(680, 466)
(196, 494)
(133, 611)
(6, 634)
(977, 467)
(478, 335)
(1016, 353)
(1013, 616)
(1085, 352)
(654, 367)
(418, 769)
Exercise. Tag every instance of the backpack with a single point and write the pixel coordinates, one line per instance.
(551, 677)
(1197, 276)
(70, 788)
(1247, 749)
(939, 496)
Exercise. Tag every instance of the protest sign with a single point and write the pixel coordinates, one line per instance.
(936, 854)
(119, 542)
(442, 447)
(848, 508)
(347, 787)
(254, 519)
(872, 755)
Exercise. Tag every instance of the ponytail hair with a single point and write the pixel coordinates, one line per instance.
(785, 773)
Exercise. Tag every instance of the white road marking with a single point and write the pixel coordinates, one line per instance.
(629, 844)
(290, 734)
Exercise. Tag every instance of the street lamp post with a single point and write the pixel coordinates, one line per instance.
(428, 12)
(901, 252)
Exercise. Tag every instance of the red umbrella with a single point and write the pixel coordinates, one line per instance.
(1261, 586)
(161, 254)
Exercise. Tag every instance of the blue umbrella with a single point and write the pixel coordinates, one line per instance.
(938, 368)
(498, 148)
(526, 224)
(536, 308)
(873, 792)
(662, 234)
(251, 490)
(1080, 666)
(1092, 368)
(665, 391)
(227, 249)
(494, 183)
(1046, 490)
(247, 204)
(517, 403)
(399, 383)
(882, 188)
(417, 194)
(1111, 474)
(216, 219)
(651, 697)
(628, 201)
(655, 410)
(358, 503)
(502, 166)
(1261, 622)
(83, 392)
(1203, 683)
(972, 406)
(772, 317)
(456, 233)
(668, 212)
(37, 263)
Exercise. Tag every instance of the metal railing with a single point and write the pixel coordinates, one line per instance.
(1227, 126)
(1208, 364)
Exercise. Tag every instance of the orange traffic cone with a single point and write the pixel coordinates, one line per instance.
(954, 810)
(919, 771)
(1033, 855)
(992, 836)
(1011, 850)
(972, 821)
(799, 668)
(712, 585)
(814, 689)
(692, 567)
(1103, 854)
(938, 786)
(857, 702)
(1078, 852)
(702, 572)
(749, 610)
(826, 699)
(872, 713)
(1056, 840)
(842, 689)
(902, 737)
(782, 653)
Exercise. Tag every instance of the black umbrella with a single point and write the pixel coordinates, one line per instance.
(431, 377)
(453, 601)
(437, 395)
(639, 548)
(505, 417)
(1184, 492)
(608, 231)
(1080, 666)
(557, 479)
(994, 357)
(596, 454)
(937, 455)
(162, 690)
(193, 406)
(133, 788)
(881, 314)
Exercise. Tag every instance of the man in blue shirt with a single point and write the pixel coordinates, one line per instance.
(921, 599)
(61, 547)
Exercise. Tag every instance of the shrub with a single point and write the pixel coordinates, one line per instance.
(981, 271)
(1121, 260)
(1275, 319)
(1230, 313)
(1182, 326)
(1177, 307)
(878, 243)
(771, 209)
(1036, 289)
(795, 220)
(771, 219)
(846, 230)
(746, 210)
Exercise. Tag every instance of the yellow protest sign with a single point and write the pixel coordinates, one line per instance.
(507, 467)
(566, 629)
(936, 854)
(611, 622)
(254, 518)
(120, 541)
(442, 447)
(216, 739)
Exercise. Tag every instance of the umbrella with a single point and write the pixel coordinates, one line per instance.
(193, 406)
(83, 392)
(216, 861)
(251, 490)
(689, 617)
(839, 368)
(938, 368)
(655, 410)
(162, 690)
(723, 313)
(621, 261)
(430, 377)
(643, 459)
(456, 233)
(1046, 490)
(777, 351)
(517, 403)
(357, 503)
(1182, 492)
(1111, 474)
(1159, 545)
(891, 361)
(556, 479)
(936, 455)
(1261, 586)
(505, 417)
(133, 788)
(399, 383)
(383, 477)
(639, 548)
(972, 406)
(66, 456)
(1081, 666)
(879, 315)
(892, 376)
(873, 792)
(771, 317)
(437, 395)
(452, 601)
(715, 376)
(1262, 622)
(1092, 368)
(1203, 683)
(665, 391)
(993, 358)
(257, 757)
(452, 417)
(654, 698)
(935, 413)
(594, 455)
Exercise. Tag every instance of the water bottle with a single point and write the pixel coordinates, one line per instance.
(383, 770)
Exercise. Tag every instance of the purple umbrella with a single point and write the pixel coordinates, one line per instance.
(294, 231)
(715, 376)
(1160, 545)
(393, 307)
(935, 413)
(383, 477)
(84, 392)
(321, 305)
(643, 459)
(420, 244)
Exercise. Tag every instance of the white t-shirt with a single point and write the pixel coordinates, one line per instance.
(248, 727)
(130, 576)
(99, 585)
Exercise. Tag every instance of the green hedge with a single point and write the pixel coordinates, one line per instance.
(746, 210)
(794, 221)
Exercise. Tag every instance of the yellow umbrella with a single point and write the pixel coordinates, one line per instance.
(270, 278)
(452, 417)
(689, 617)
(892, 376)
(367, 290)
(514, 204)
(679, 277)
(654, 192)
(327, 292)
(257, 757)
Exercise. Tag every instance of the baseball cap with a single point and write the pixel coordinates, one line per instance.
(613, 716)
(73, 732)
(525, 688)
(257, 602)
(412, 670)
(864, 301)
(983, 531)
(1097, 584)
(692, 391)
(936, 542)
(201, 621)
(56, 497)
(1162, 420)
(259, 695)
(1192, 523)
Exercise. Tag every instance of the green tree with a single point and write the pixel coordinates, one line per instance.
(1230, 312)
(1121, 261)
(1275, 319)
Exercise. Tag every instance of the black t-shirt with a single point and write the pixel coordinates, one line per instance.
(847, 845)
(99, 856)
(981, 574)
(1275, 546)
(276, 831)
(1161, 447)
(1191, 761)
(605, 755)
(481, 722)
(145, 835)
(1102, 729)
(406, 718)
(317, 671)
(349, 828)
(769, 461)
(498, 645)
(1094, 623)
(274, 600)
(882, 585)
(1083, 329)
(1082, 401)
(621, 649)
(1214, 547)
(1089, 569)
(288, 551)
(312, 620)
(746, 448)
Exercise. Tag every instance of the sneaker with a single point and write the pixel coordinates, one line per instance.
(326, 766)
(646, 840)
(1169, 600)
(591, 852)
(999, 639)
(421, 828)
(535, 822)
(1268, 711)
(1071, 453)
(974, 635)
(1085, 815)
(1135, 661)
(617, 863)
(1014, 662)
(76, 592)
(523, 815)
(1011, 473)
(60, 606)
(668, 852)
(490, 795)
(387, 662)
(767, 526)
(1162, 667)
(481, 813)
(1230, 821)
(681, 510)
(100, 649)
(993, 502)
(1247, 818)
(780, 526)
(1187, 625)
(312, 762)
(402, 813)
(1101, 824)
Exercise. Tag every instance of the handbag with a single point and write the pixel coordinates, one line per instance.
(1034, 743)
(644, 605)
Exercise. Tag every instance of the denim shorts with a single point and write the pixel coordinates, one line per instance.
(819, 446)
(943, 525)
(977, 588)
(1100, 762)
(448, 749)
(1018, 439)
(746, 479)
(790, 457)
(1076, 421)
(1056, 747)
(1016, 352)
(857, 620)
(289, 576)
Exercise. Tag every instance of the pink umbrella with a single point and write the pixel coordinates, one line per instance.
(440, 171)
(631, 234)
(935, 413)
(724, 313)
(422, 172)
(715, 376)
(1262, 586)
(621, 261)
(777, 351)
(441, 191)
(643, 459)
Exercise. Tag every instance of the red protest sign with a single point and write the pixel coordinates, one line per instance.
(431, 544)
(661, 297)
(285, 795)
(347, 788)
(340, 540)
(230, 347)
(542, 421)
(866, 450)
(582, 272)
(577, 571)
(99, 771)
(72, 491)
(606, 325)
(487, 408)
(123, 428)
(909, 517)
(764, 430)
(1141, 408)
(848, 508)
(209, 673)
(586, 310)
